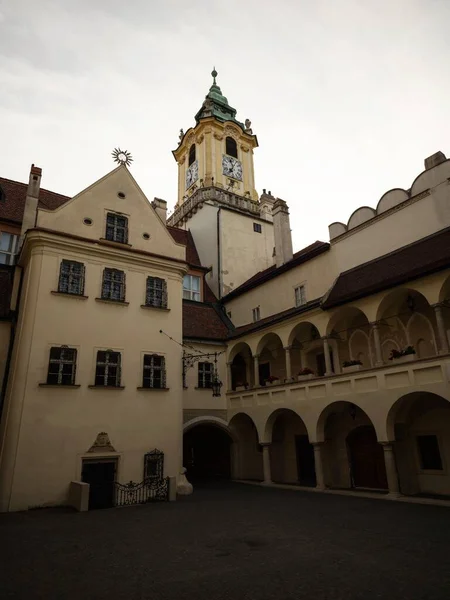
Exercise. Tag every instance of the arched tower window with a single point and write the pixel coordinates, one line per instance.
(192, 154)
(231, 147)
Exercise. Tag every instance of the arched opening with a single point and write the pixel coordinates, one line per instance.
(306, 350)
(241, 362)
(351, 454)
(272, 360)
(206, 453)
(366, 458)
(405, 319)
(247, 452)
(419, 424)
(231, 147)
(192, 154)
(291, 454)
(349, 332)
(444, 299)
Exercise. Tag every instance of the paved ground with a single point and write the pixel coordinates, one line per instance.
(234, 541)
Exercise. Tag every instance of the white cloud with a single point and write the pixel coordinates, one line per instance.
(346, 98)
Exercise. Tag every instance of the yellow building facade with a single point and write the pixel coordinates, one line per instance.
(202, 341)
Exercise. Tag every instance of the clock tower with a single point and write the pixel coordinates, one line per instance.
(217, 199)
(217, 151)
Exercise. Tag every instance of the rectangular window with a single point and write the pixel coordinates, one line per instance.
(8, 247)
(116, 228)
(156, 292)
(229, 314)
(257, 228)
(108, 368)
(62, 366)
(256, 314)
(300, 295)
(205, 374)
(430, 456)
(191, 288)
(154, 372)
(113, 286)
(154, 465)
(71, 277)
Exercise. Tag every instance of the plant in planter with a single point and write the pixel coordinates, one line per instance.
(305, 373)
(241, 386)
(351, 365)
(272, 380)
(405, 355)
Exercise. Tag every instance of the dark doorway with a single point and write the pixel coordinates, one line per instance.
(101, 476)
(321, 366)
(366, 459)
(239, 371)
(206, 454)
(264, 372)
(305, 461)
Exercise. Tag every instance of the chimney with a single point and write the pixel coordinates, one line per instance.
(434, 160)
(160, 207)
(282, 233)
(31, 202)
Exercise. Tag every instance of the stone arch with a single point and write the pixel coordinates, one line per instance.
(271, 356)
(444, 293)
(430, 177)
(291, 453)
(210, 420)
(247, 452)
(420, 329)
(346, 324)
(305, 343)
(418, 426)
(207, 449)
(394, 315)
(241, 366)
(347, 453)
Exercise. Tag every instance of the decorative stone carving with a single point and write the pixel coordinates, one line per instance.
(184, 488)
(180, 137)
(232, 132)
(200, 138)
(102, 443)
(218, 136)
(190, 140)
(244, 148)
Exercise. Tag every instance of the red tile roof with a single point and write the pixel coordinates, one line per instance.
(185, 237)
(203, 321)
(259, 278)
(420, 258)
(15, 193)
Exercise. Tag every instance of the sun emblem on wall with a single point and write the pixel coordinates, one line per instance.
(122, 157)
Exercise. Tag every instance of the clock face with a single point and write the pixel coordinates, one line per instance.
(192, 174)
(231, 167)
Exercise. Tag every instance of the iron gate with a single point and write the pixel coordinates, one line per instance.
(149, 490)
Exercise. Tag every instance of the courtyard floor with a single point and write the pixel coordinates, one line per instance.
(230, 541)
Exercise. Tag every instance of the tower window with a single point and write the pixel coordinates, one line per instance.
(257, 227)
(192, 154)
(231, 147)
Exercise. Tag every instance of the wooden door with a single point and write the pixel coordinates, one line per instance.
(366, 459)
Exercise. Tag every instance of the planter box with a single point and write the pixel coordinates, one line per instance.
(303, 377)
(404, 359)
(240, 388)
(352, 368)
(269, 383)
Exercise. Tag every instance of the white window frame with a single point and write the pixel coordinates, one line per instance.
(256, 314)
(302, 295)
(13, 247)
(205, 374)
(188, 292)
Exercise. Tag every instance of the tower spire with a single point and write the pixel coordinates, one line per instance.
(216, 104)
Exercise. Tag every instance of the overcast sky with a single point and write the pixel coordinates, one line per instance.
(347, 97)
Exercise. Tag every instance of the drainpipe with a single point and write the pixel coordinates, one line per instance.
(11, 345)
(218, 254)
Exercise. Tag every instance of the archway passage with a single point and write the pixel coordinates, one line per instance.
(366, 459)
(206, 453)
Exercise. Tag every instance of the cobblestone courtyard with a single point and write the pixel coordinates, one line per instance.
(231, 541)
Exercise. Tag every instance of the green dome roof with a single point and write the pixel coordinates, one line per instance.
(216, 105)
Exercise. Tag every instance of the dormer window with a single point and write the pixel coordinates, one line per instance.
(191, 154)
(231, 147)
(116, 228)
